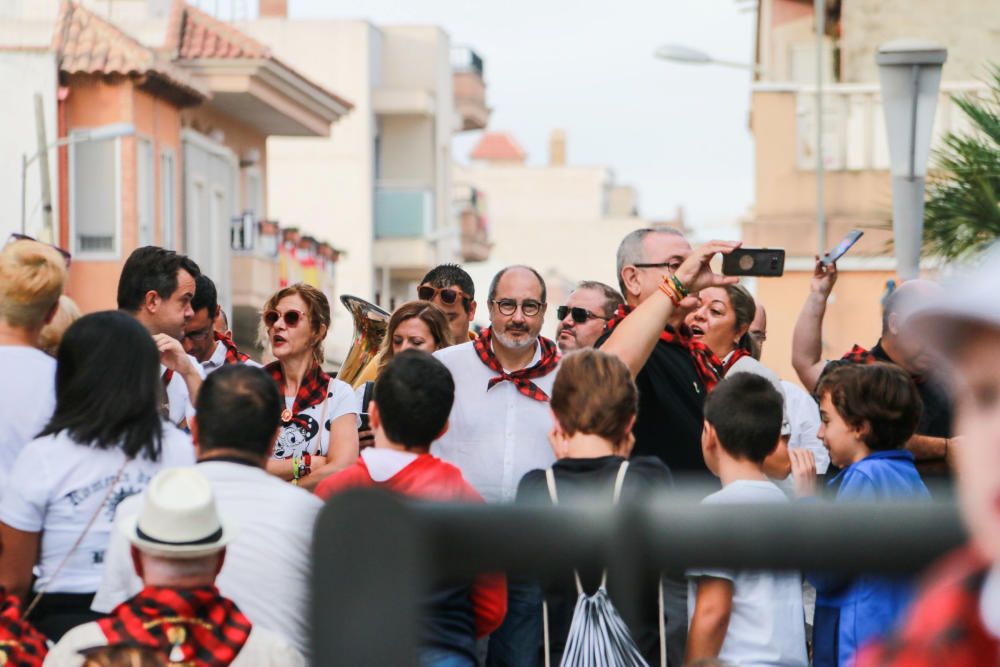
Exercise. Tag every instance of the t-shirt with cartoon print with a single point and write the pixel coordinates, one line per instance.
(299, 436)
(56, 486)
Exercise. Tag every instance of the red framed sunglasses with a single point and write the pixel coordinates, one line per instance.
(292, 317)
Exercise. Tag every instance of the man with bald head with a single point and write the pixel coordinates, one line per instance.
(896, 346)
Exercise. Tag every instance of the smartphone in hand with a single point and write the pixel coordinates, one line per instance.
(841, 248)
(763, 262)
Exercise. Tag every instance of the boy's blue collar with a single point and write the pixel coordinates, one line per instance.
(886, 454)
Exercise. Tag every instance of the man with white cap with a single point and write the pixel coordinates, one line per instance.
(178, 547)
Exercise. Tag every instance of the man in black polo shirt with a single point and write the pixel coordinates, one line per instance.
(930, 444)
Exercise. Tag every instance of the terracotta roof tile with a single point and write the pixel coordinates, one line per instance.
(498, 146)
(196, 34)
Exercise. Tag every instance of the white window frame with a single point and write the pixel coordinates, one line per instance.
(150, 183)
(168, 204)
(115, 254)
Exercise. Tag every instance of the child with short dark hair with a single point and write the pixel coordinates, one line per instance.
(409, 410)
(742, 617)
(868, 413)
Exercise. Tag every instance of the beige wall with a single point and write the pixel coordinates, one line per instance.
(408, 151)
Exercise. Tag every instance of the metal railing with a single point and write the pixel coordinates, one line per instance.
(464, 59)
(374, 554)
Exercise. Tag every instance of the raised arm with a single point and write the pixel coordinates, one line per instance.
(807, 339)
(634, 338)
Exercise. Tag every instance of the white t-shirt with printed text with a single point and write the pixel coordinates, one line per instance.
(296, 439)
(57, 485)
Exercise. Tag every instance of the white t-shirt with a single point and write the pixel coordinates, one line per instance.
(27, 400)
(803, 414)
(267, 568)
(767, 623)
(751, 365)
(181, 407)
(296, 440)
(57, 485)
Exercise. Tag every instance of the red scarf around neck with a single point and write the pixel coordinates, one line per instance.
(195, 626)
(312, 391)
(21, 645)
(521, 379)
(233, 355)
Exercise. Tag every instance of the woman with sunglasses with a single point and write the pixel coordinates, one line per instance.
(318, 425)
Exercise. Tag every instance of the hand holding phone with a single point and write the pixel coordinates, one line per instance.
(841, 248)
(762, 262)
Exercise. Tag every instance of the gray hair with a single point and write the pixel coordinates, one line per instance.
(162, 570)
(499, 275)
(612, 299)
(630, 250)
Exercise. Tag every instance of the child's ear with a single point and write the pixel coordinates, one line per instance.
(862, 432)
(709, 439)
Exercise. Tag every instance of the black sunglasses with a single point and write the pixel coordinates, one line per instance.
(449, 295)
(580, 315)
(24, 237)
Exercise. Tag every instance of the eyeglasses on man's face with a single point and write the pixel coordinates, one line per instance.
(671, 266)
(579, 315)
(529, 307)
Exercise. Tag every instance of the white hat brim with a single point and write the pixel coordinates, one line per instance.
(130, 528)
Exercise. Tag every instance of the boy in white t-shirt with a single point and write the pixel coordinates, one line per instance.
(747, 618)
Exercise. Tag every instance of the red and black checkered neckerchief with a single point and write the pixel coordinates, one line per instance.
(233, 355)
(21, 645)
(859, 355)
(521, 379)
(312, 391)
(193, 626)
(709, 367)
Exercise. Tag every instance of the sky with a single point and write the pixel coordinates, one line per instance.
(678, 133)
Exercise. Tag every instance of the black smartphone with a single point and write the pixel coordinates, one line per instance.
(841, 248)
(764, 262)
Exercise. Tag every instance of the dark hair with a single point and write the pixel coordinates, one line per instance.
(744, 309)
(501, 272)
(612, 299)
(594, 394)
(238, 408)
(746, 412)
(880, 395)
(151, 268)
(108, 388)
(446, 275)
(414, 393)
(205, 296)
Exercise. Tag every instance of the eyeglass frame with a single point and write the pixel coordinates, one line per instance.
(466, 299)
(519, 304)
(658, 265)
(17, 236)
(281, 316)
(569, 311)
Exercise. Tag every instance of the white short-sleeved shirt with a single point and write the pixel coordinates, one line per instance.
(314, 438)
(751, 365)
(27, 400)
(218, 360)
(803, 415)
(767, 624)
(267, 569)
(57, 485)
(181, 407)
(494, 437)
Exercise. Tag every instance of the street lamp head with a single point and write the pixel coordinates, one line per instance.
(910, 52)
(113, 131)
(683, 54)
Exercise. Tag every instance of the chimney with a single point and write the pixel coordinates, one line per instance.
(557, 148)
(274, 9)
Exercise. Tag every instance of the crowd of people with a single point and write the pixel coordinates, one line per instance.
(159, 487)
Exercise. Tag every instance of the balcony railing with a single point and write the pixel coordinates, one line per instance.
(403, 212)
(464, 59)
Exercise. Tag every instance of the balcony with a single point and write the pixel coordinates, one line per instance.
(470, 210)
(469, 88)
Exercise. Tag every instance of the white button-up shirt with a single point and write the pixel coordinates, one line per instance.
(494, 437)
(218, 360)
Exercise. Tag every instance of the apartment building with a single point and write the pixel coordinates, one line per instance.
(856, 180)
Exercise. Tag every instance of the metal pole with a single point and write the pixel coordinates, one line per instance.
(820, 9)
(24, 193)
(47, 234)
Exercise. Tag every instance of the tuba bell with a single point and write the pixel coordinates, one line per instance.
(370, 324)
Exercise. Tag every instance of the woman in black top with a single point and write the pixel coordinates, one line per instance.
(594, 403)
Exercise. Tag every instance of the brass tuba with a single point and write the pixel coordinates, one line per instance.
(370, 324)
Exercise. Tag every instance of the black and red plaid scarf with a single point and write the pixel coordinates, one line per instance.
(233, 355)
(21, 645)
(859, 355)
(195, 626)
(312, 391)
(709, 367)
(522, 379)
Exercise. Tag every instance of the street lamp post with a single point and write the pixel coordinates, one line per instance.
(910, 75)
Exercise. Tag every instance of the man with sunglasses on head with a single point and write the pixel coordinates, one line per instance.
(500, 423)
(583, 318)
(201, 340)
(451, 289)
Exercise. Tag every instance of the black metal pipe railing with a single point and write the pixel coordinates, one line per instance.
(375, 554)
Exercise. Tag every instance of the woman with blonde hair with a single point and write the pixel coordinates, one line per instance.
(51, 335)
(318, 425)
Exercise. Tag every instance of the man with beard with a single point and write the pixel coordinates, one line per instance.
(500, 423)
(897, 346)
(156, 287)
(587, 310)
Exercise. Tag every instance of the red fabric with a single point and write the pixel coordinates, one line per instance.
(709, 367)
(522, 378)
(312, 391)
(168, 375)
(233, 354)
(737, 354)
(944, 626)
(21, 645)
(430, 478)
(859, 355)
(209, 629)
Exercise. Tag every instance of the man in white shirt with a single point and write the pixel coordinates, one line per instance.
(178, 547)
(267, 565)
(212, 349)
(156, 287)
(500, 421)
(31, 280)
